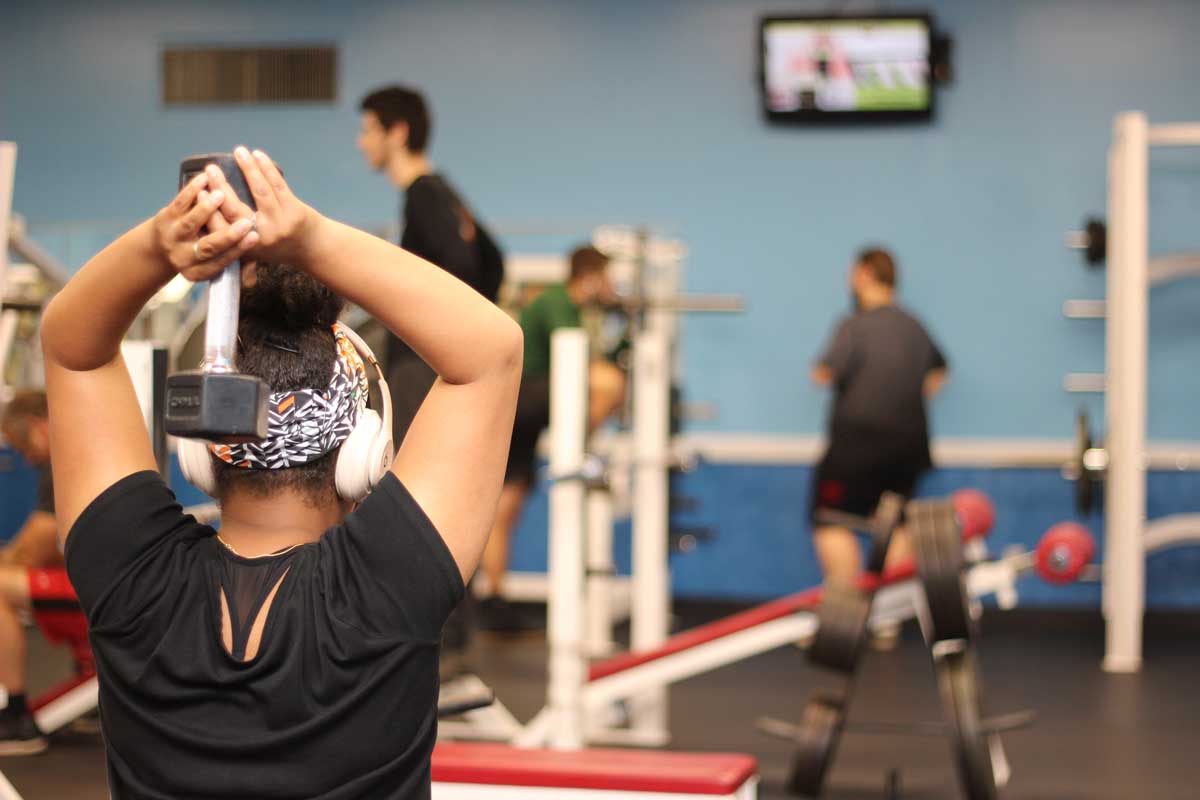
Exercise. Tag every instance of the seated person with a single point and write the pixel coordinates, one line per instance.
(295, 655)
(558, 306)
(31, 568)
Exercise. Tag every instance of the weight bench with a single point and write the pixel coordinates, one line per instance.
(484, 771)
(62, 623)
(68, 700)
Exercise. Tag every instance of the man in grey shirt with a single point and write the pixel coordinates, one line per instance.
(882, 366)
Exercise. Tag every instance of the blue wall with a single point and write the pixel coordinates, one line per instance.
(626, 110)
(762, 547)
(567, 110)
(762, 543)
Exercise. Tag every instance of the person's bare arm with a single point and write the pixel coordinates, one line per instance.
(35, 544)
(935, 379)
(834, 362)
(452, 459)
(97, 434)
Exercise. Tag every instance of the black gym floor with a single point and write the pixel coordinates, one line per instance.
(1097, 736)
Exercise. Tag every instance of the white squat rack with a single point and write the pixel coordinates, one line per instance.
(1130, 275)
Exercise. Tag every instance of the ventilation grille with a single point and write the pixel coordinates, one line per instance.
(197, 75)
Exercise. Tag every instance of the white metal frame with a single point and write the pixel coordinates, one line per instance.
(651, 612)
(8, 170)
(8, 319)
(578, 711)
(567, 670)
(1130, 275)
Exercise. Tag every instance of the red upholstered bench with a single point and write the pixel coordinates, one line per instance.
(58, 615)
(467, 771)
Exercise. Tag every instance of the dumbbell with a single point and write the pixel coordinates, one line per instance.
(216, 402)
(1064, 552)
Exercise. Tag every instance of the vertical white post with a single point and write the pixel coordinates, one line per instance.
(568, 432)
(651, 606)
(139, 360)
(1126, 338)
(600, 572)
(8, 169)
(8, 319)
(7, 790)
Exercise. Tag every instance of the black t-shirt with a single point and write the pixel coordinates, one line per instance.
(879, 360)
(341, 700)
(45, 491)
(440, 228)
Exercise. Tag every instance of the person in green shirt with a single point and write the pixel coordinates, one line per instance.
(558, 306)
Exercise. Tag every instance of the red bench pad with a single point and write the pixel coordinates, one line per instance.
(759, 615)
(612, 770)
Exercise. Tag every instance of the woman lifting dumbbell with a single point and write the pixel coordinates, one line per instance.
(294, 654)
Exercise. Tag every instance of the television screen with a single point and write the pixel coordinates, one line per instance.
(830, 68)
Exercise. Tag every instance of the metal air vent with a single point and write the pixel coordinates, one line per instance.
(206, 75)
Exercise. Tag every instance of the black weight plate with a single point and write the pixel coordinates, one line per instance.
(820, 729)
(958, 684)
(938, 546)
(884, 522)
(842, 626)
(1097, 241)
(1085, 486)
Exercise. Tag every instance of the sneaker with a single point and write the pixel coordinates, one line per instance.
(497, 615)
(19, 735)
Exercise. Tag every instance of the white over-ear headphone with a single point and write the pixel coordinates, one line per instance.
(362, 460)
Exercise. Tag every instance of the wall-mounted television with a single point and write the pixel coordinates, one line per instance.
(847, 68)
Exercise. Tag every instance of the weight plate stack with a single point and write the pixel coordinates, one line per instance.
(820, 729)
(842, 626)
(959, 686)
(938, 545)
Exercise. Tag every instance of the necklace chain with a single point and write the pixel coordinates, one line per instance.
(233, 550)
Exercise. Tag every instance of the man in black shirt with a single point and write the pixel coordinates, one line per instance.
(882, 366)
(294, 654)
(394, 134)
(30, 568)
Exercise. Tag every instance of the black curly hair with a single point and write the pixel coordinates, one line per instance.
(285, 337)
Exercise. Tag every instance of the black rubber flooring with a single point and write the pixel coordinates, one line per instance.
(1097, 736)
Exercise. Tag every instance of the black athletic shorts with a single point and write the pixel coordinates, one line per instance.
(856, 471)
(533, 416)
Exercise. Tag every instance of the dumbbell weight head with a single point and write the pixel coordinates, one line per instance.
(225, 407)
(1063, 552)
(975, 512)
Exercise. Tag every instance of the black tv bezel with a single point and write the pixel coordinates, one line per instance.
(815, 117)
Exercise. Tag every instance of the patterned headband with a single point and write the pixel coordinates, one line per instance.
(305, 424)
